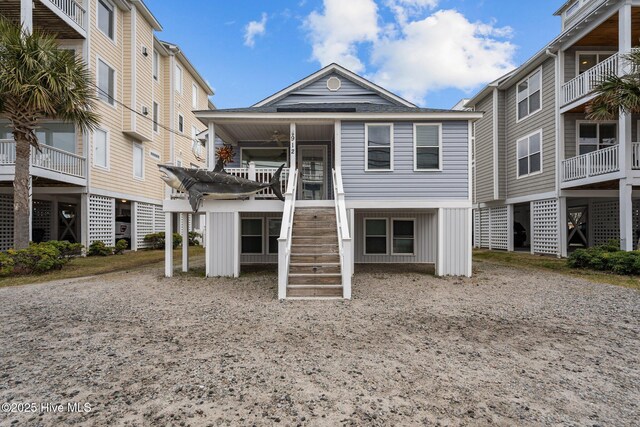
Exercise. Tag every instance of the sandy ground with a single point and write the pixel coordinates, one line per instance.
(508, 347)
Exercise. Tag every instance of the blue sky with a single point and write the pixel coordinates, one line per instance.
(433, 52)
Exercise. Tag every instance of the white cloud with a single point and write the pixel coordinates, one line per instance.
(414, 54)
(336, 32)
(254, 29)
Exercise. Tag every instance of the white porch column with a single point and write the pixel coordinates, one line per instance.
(184, 221)
(208, 246)
(168, 244)
(440, 244)
(624, 122)
(211, 146)
(531, 228)
(26, 15)
(626, 216)
(55, 220)
(292, 147)
(562, 227)
(134, 226)
(337, 142)
(84, 219)
(352, 233)
(510, 222)
(252, 176)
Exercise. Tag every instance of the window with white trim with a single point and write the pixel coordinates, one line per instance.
(251, 235)
(403, 236)
(101, 148)
(427, 147)
(106, 82)
(274, 225)
(379, 149)
(194, 96)
(529, 95)
(156, 64)
(529, 154)
(594, 136)
(180, 123)
(106, 18)
(138, 161)
(375, 236)
(588, 60)
(156, 114)
(178, 79)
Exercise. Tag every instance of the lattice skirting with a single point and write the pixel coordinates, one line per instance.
(490, 228)
(605, 218)
(42, 218)
(102, 219)
(6, 222)
(545, 233)
(149, 219)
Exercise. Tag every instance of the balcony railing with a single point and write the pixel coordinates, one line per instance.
(586, 82)
(50, 158)
(72, 9)
(599, 162)
(262, 175)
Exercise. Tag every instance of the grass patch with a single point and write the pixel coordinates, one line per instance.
(539, 262)
(90, 266)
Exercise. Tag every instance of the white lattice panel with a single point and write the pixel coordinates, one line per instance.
(6, 222)
(144, 215)
(485, 228)
(158, 220)
(102, 219)
(476, 228)
(499, 234)
(545, 227)
(605, 216)
(41, 219)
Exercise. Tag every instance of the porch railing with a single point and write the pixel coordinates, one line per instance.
(344, 235)
(50, 158)
(286, 234)
(72, 9)
(599, 162)
(586, 82)
(262, 175)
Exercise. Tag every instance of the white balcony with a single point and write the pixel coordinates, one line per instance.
(597, 166)
(585, 83)
(71, 9)
(51, 163)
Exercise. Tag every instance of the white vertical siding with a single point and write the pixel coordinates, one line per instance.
(456, 242)
(223, 241)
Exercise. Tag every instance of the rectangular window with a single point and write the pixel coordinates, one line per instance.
(58, 135)
(156, 64)
(251, 235)
(101, 148)
(138, 161)
(274, 233)
(178, 79)
(587, 60)
(106, 81)
(155, 116)
(427, 149)
(596, 136)
(375, 236)
(194, 96)
(379, 150)
(403, 237)
(180, 123)
(529, 95)
(530, 154)
(106, 17)
(263, 157)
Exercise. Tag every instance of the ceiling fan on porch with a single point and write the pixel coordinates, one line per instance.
(279, 138)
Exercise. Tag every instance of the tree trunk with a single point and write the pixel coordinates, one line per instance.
(21, 192)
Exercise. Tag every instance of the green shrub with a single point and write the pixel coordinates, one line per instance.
(194, 238)
(67, 249)
(37, 258)
(99, 248)
(6, 264)
(156, 240)
(121, 246)
(606, 258)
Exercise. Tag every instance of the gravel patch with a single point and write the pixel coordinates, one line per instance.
(503, 348)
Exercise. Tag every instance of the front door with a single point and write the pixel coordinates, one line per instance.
(67, 222)
(312, 164)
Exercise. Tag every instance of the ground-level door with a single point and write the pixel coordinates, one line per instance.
(312, 165)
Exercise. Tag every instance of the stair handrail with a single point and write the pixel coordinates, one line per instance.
(286, 231)
(344, 235)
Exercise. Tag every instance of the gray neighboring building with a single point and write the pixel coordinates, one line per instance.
(546, 179)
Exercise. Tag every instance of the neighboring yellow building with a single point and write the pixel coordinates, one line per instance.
(106, 185)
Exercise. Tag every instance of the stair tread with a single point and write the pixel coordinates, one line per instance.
(313, 264)
(314, 286)
(315, 274)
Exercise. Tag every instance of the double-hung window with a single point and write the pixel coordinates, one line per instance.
(155, 116)
(529, 151)
(101, 148)
(178, 79)
(274, 232)
(106, 18)
(379, 149)
(180, 123)
(251, 235)
(106, 82)
(529, 95)
(138, 161)
(403, 236)
(156, 64)
(375, 236)
(596, 136)
(194, 96)
(427, 147)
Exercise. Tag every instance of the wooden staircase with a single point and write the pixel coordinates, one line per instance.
(314, 269)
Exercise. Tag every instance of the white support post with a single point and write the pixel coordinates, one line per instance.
(134, 226)
(352, 233)
(184, 221)
(347, 265)
(84, 221)
(337, 145)
(510, 221)
(252, 176)
(626, 215)
(208, 248)
(532, 228)
(624, 122)
(562, 227)
(292, 147)
(440, 244)
(490, 228)
(26, 15)
(55, 220)
(168, 245)
(236, 244)
(590, 239)
(211, 146)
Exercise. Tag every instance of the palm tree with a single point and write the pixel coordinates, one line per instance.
(617, 93)
(38, 81)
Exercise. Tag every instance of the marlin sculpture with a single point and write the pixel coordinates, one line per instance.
(215, 184)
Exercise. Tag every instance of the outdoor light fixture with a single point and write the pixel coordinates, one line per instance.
(144, 51)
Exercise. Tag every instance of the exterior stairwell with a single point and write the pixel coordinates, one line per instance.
(315, 265)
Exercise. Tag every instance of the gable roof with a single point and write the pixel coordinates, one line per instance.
(335, 68)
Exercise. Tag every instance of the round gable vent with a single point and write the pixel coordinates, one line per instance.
(333, 83)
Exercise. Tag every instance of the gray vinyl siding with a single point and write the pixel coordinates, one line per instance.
(425, 243)
(317, 92)
(222, 226)
(570, 133)
(456, 242)
(502, 146)
(265, 257)
(542, 120)
(484, 151)
(403, 183)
